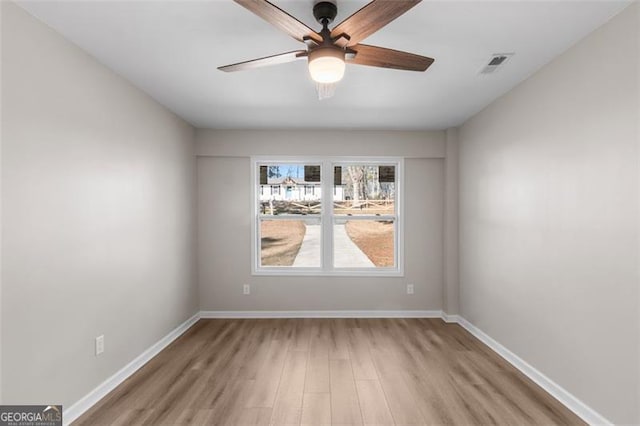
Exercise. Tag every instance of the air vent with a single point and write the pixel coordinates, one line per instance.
(496, 62)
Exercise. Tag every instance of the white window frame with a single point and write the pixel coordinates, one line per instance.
(327, 217)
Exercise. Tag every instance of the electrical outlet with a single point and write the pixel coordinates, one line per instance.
(99, 344)
(246, 289)
(409, 288)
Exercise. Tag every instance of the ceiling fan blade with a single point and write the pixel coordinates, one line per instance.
(370, 19)
(281, 19)
(282, 58)
(388, 58)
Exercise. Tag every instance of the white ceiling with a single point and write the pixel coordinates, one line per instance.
(171, 50)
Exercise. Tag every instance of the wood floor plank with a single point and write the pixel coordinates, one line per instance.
(345, 406)
(262, 342)
(259, 416)
(129, 417)
(390, 370)
(302, 334)
(317, 378)
(338, 339)
(287, 409)
(401, 401)
(375, 410)
(191, 417)
(222, 386)
(361, 362)
(233, 410)
(267, 381)
(430, 404)
(316, 409)
(352, 371)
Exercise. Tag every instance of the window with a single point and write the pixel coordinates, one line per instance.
(333, 216)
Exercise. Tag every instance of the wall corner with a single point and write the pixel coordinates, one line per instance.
(451, 281)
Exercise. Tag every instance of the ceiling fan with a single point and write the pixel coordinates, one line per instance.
(328, 50)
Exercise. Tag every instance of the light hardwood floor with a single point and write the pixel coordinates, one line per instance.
(327, 372)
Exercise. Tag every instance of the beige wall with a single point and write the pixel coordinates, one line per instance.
(224, 223)
(549, 220)
(97, 184)
(245, 143)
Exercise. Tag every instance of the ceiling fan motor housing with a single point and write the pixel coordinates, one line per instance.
(325, 11)
(326, 51)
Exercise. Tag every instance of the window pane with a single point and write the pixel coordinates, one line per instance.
(364, 190)
(289, 189)
(294, 243)
(364, 243)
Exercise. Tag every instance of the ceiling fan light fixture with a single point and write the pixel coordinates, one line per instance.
(326, 64)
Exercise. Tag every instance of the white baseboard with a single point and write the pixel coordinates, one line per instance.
(320, 314)
(450, 318)
(76, 410)
(581, 409)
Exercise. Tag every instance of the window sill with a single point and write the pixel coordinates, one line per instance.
(313, 272)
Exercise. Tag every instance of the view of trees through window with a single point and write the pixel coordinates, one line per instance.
(362, 214)
(362, 191)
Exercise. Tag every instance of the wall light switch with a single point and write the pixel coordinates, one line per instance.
(409, 288)
(99, 344)
(246, 289)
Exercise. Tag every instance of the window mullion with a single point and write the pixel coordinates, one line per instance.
(327, 216)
